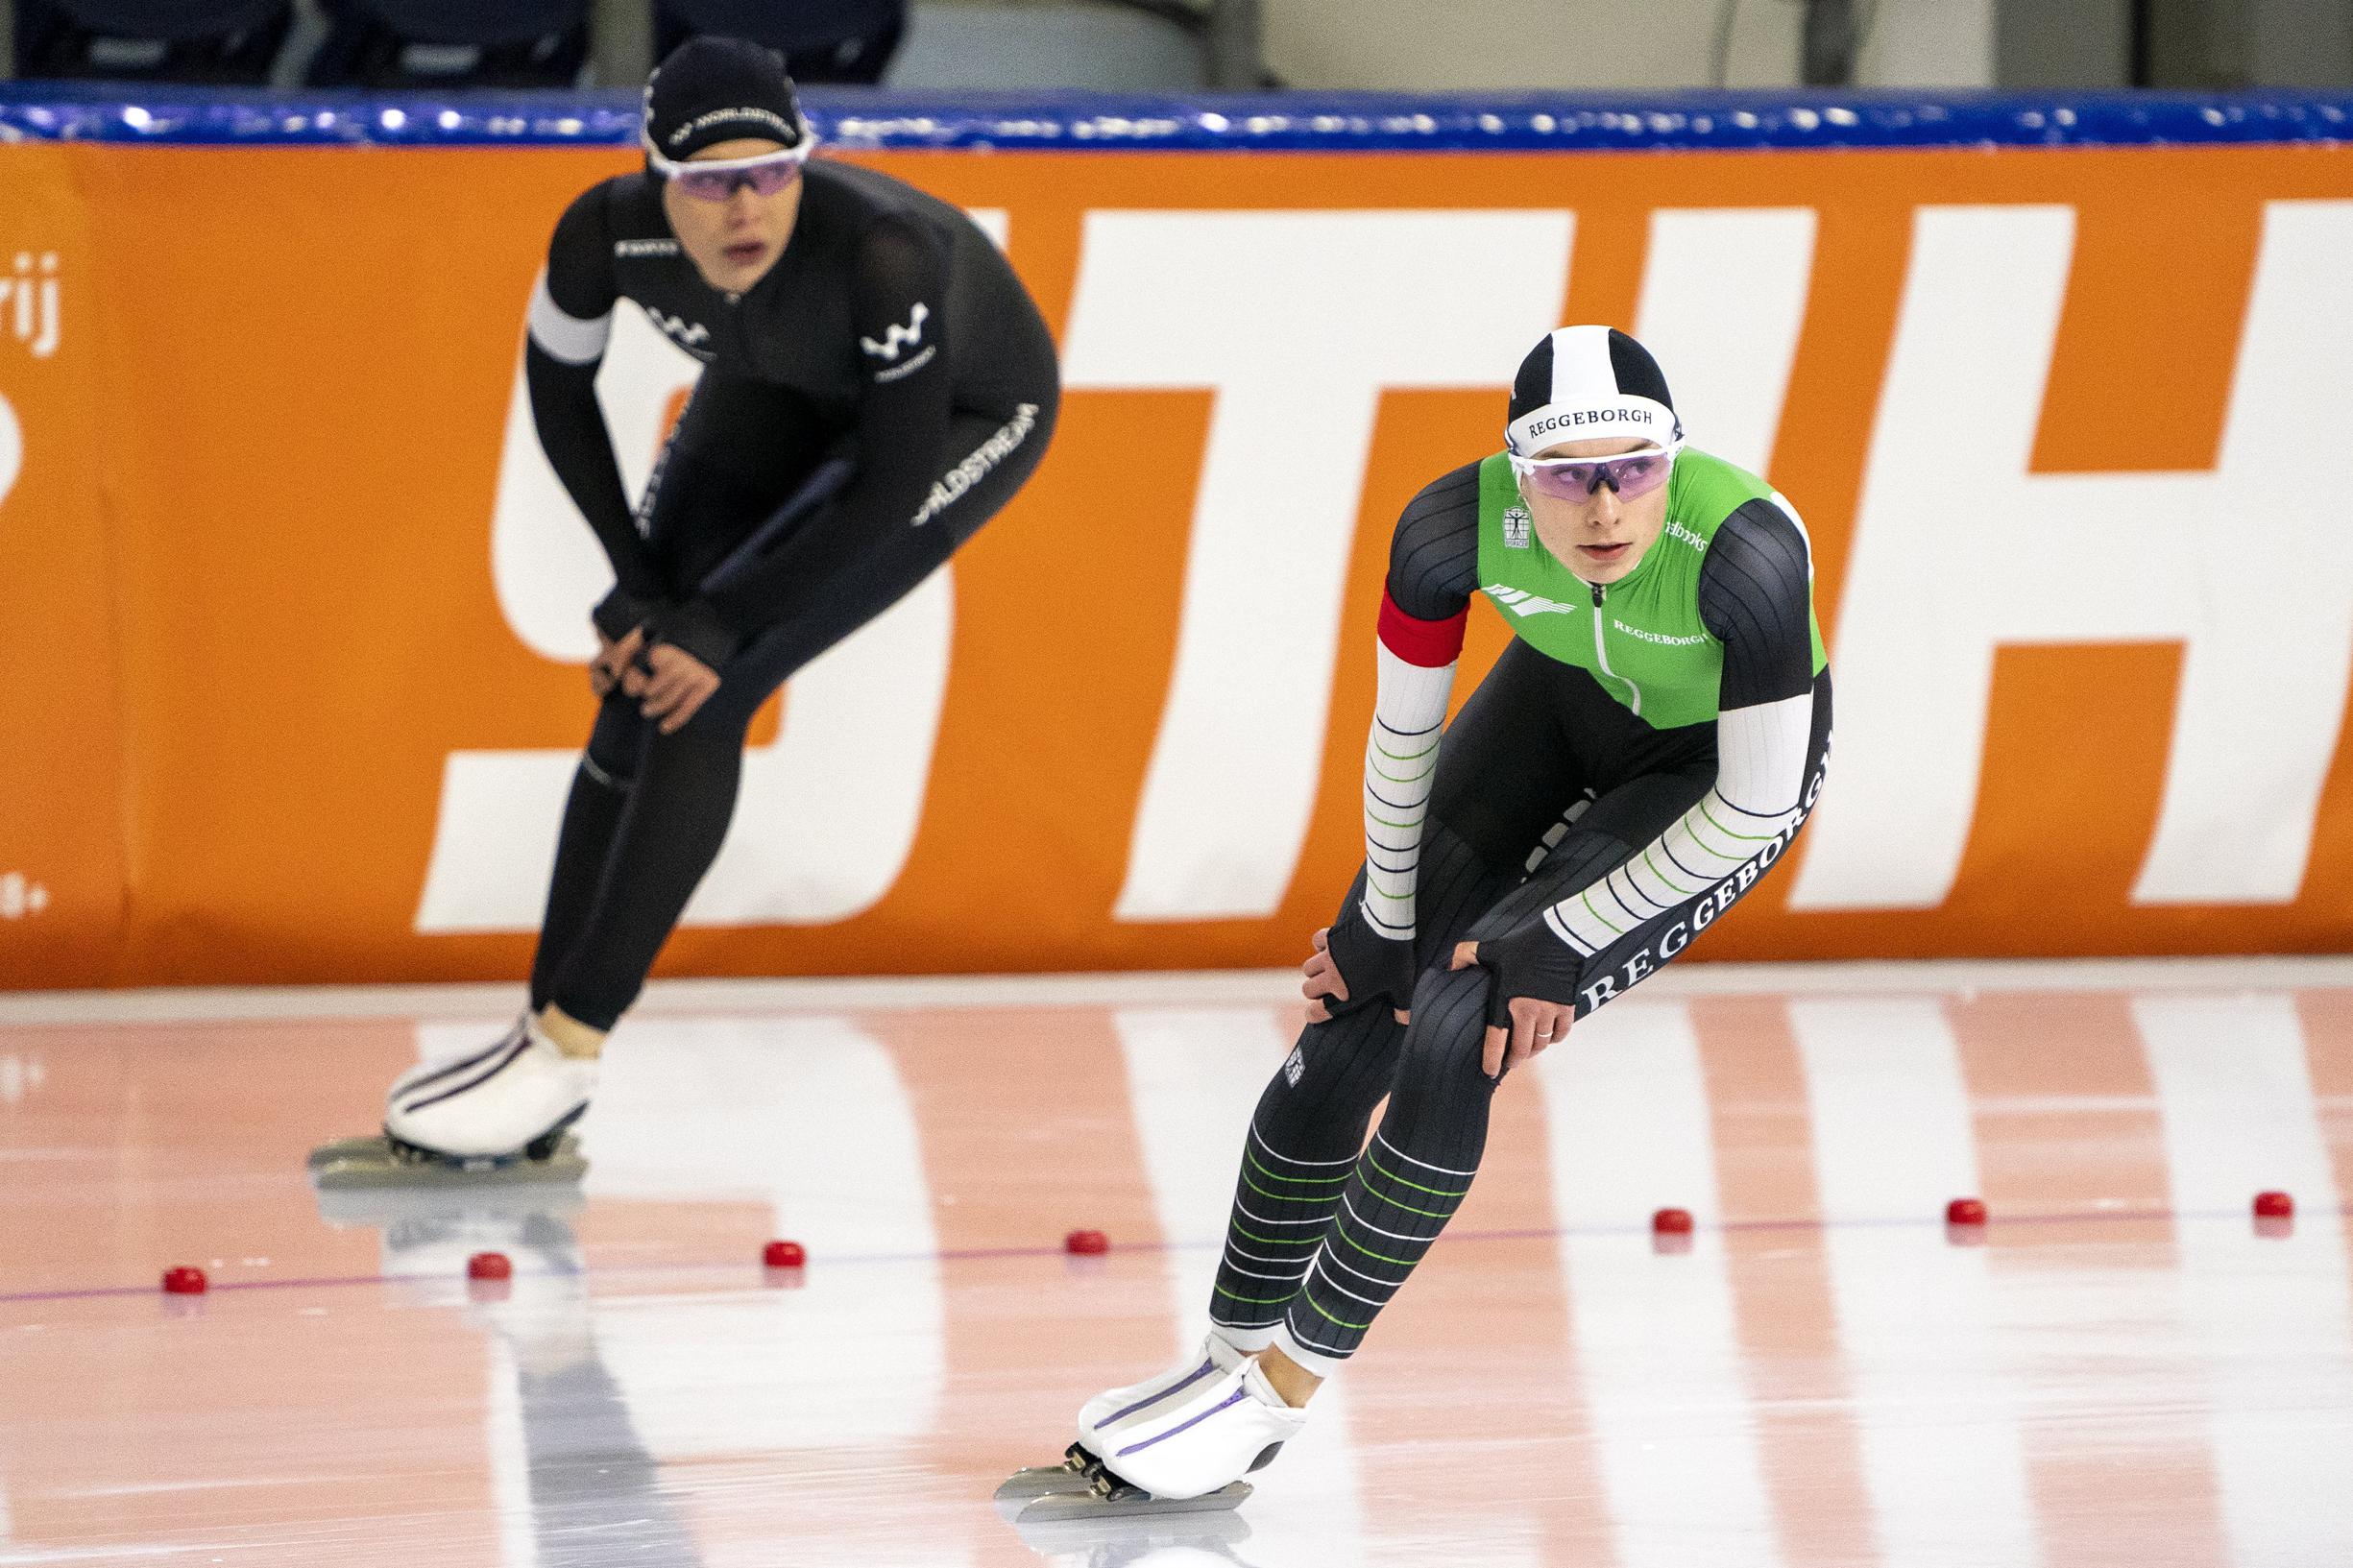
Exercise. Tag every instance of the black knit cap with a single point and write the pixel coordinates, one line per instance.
(712, 90)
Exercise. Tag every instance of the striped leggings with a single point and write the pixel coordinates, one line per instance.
(1326, 1227)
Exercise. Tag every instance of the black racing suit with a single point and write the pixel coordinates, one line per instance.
(864, 407)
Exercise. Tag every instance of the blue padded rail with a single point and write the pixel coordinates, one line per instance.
(1289, 122)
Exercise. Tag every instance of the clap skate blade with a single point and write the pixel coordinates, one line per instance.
(1075, 1474)
(385, 1162)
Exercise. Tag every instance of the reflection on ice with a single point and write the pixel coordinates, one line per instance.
(2125, 1367)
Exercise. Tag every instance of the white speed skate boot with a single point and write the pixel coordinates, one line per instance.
(1137, 1400)
(1083, 1460)
(1205, 1438)
(494, 1103)
(496, 1113)
(1187, 1453)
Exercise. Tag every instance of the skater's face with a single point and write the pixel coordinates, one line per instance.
(733, 239)
(1603, 535)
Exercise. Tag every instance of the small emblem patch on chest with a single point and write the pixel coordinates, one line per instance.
(679, 330)
(1522, 603)
(896, 339)
(1516, 528)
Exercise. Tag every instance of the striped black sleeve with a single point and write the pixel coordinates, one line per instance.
(1756, 597)
(1434, 555)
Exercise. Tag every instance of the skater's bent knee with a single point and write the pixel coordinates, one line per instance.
(1448, 1036)
(721, 723)
(1443, 998)
(1441, 1058)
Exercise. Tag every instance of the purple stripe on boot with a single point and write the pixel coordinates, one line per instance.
(1231, 1400)
(1206, 1368)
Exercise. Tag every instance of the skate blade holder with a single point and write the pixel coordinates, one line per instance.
(1075, 1474)
(1105, 1505)
(1043, 1480)
(352, 1162)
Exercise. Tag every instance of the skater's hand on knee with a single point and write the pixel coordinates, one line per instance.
(678, 687)
(613, 659)
(1322, 979)
(1536, 1022)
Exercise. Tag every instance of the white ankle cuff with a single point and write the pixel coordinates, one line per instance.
(1322, 1364)
(1249, 1341)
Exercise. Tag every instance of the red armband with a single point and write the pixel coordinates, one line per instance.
(1430, 644)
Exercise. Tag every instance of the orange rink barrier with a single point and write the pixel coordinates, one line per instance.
(298, 612)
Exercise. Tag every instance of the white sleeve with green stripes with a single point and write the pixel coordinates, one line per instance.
(1757, 794)
(1409, 714)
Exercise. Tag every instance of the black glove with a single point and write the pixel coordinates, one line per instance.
(1528, 960)
(1371, 966)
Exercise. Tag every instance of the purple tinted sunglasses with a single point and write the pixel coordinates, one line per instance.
(1576, 478)
(718, 178)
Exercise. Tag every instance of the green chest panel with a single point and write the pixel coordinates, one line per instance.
(1641, 637)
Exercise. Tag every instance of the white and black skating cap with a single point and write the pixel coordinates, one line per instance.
(1587, 383)
(712, 90)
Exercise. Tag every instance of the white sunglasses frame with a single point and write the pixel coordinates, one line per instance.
(670, 168)
(1522, 467)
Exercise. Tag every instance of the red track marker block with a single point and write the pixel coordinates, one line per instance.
(2274, 1206)
(489, 1265)
(1086, 1244)
(185, 1282)
(1671, 1223)
(1965, 1211)
(783, 1255)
